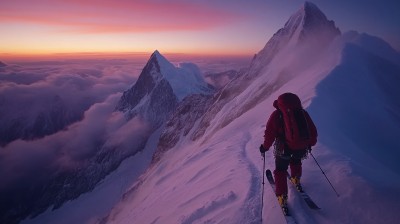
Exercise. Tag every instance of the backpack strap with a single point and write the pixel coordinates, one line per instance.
(280, 141)
(282, 127)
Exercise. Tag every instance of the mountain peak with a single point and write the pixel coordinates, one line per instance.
(314, 18)
(311, 11)
(310, 6)
(2, 64)
(308, 25)
(185, 78)
(156, 54)
(310, 17)
(161, 61)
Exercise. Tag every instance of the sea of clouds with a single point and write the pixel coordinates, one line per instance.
(87, 90)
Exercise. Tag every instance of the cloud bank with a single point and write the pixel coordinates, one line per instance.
(80, 94)
(39, 99)
(27, 162)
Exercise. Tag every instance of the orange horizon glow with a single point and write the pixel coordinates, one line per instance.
(42, 28)
(118, 48)
(7, 57)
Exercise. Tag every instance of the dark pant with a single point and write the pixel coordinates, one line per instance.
(282, 162)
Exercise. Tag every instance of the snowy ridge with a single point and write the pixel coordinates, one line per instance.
(374, 88)
(221, 169)
(374, 45)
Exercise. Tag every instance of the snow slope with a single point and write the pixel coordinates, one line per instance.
(351, 92)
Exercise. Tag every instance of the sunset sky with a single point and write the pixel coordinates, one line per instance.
(208, 27)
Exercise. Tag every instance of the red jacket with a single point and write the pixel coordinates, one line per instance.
(275, 128)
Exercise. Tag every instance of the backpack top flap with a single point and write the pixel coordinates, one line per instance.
(296, 128)
(289, 101)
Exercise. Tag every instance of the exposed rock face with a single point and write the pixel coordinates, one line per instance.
(182, 122)
(151, 97)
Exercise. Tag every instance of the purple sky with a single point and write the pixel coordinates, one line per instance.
(218, 27)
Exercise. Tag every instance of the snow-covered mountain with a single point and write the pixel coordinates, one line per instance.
(160, 87)
(206, 167)
(349, 87)
(308, 28)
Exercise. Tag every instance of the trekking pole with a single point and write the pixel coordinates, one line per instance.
(324, 174)
(262, 196)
